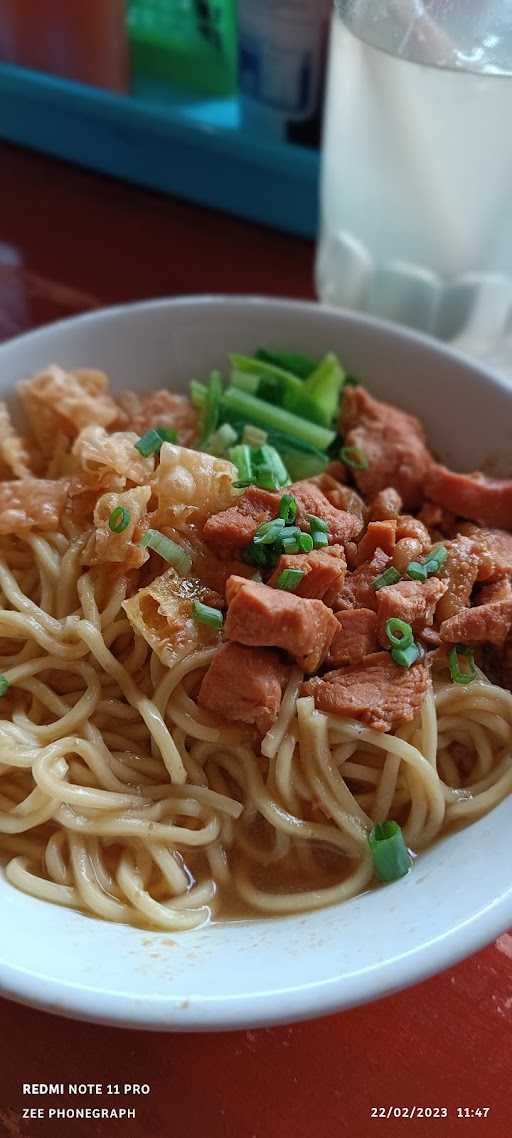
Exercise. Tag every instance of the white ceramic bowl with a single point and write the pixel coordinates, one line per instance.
(265, 971)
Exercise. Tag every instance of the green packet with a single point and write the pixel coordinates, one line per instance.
(190, 44)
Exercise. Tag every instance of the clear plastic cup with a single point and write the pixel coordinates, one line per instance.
(416, 223)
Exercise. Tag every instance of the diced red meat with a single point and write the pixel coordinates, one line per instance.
(496, 546)
(346, 498)
(235, 527)
(393, 443)
(355, 638)
(413, 529)
(500, 590)
(357, 591)
(244, 685)
(435, 518)
(386, 504)
(214, 571)
(406, 550)
(341, 496)
(412, 601)
(336, 470)
(484, 500)
(430, 637)
(412, 542)
(343, 525)
(324, 572)
(482, 624)
(260, 616)
(376, 691)
(460, 571)
(379, 535)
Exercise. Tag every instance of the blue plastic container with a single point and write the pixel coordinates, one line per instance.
(193, 148)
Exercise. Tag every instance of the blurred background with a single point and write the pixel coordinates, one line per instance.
(379, 128)
(219, 101)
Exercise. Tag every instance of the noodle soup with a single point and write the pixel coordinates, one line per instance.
(255, 645)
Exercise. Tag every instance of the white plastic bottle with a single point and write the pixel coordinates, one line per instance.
(282, 57)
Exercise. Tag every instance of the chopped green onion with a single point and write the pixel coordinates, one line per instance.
(406, 657)
(4, 685)
(459, 675)
(391, 858)
(299, 365)
(274, 538)
(269, 532)
(416, 571)
(203, 614)
(290, 545)
(241, 457)
(221, 439)
(288, 508)
(420, 570)
(270, 471)
(198, 393)
(261, 466)
(254, 436)
(389, 577)
(266, 480)
(211, 409)
(149, 444)
(168, 549)
(435, 559)
(354, 457)
(317, 525)
(322, 389)
(256, 377)
(119, 519)
(246, 382)
(272, 382)
(291, 531)
(320, 539)
(167, 434)
(290, 539)
(301, 459)
(262, 555)
(254, 365)
(240, 405)
(289, 579)
(398, 632)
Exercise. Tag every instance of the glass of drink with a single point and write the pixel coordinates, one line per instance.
(417, 166)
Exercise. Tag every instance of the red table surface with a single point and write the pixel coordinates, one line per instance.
(71, 240)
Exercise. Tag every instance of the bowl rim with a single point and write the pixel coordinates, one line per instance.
(282, 1005)
(255, 1010)
(241, 300)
